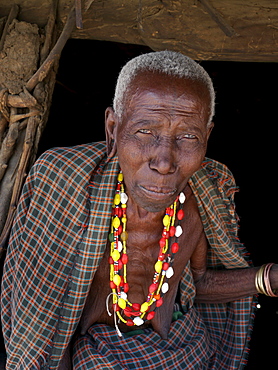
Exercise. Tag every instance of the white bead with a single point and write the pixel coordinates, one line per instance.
(123, 295)
(120, 246)
(165, 287)
(178, 231)
(169, 272)
(124, 198)
(138, 321)
(182, 198)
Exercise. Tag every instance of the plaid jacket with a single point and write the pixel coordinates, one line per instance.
(59, 237)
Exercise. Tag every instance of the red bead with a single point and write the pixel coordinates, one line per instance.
(129, 322)
(180, 214)
(172, 231)
(169, 211)
(161, 257)
(165, 266)
(122, 281)
(165, 234)
(126, 287)
(120, 264)
(162, 242)
(152, 288)
(136, 313)
(128, 311)
(175, 247)
(110, 261)
(159, 302)
(118, 212)
(124, 259)
(112, 285)
(150, 315)
(136, 306)
(119, 231)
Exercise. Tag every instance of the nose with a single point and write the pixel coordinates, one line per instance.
(163, 157)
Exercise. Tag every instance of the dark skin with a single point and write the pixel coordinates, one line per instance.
(161, 141)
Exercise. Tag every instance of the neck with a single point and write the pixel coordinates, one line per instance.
(137, 213)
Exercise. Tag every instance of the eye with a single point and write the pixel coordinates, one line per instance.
(190, 136)
(187, 136)
(144, 131)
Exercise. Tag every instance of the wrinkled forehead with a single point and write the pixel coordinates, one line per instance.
(150, 81)
(165, 86)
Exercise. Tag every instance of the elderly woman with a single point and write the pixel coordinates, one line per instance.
(125, 255)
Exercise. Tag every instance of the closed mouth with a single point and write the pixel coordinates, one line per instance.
(158, 191)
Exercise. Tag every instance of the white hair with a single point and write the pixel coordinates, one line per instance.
(168, 62)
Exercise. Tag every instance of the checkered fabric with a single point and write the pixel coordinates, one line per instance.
(188, 347)
(57, 242)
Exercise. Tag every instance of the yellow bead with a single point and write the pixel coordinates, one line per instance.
(144, 307)
(116, 222)
(124, 219)
(120, 177)
(166, 220)
(117, 280)
(158, 266)
(123, 205)
(117, 199)
(115, 255)
(124, 236)
(122, 303)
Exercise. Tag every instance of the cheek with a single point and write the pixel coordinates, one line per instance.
(130, 156)
(190, 160)
(130, 149)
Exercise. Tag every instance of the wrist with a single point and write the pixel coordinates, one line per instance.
(265, 280)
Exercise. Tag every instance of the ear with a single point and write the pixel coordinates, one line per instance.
(209, 129)
(110, 128)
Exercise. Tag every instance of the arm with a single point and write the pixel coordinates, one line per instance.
(221, 286)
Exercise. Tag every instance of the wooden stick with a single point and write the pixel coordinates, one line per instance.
(3, 125)
(20, 176)
(13, 14)
(23, 100)
(49, 31)
(217, 17)
(55, 53)
(8, 148)
(78, 11)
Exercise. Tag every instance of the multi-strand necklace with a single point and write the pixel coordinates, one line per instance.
(136, 313)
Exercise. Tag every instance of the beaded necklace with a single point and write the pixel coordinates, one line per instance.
(136, 313)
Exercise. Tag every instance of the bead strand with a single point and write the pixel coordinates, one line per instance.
(118, 259)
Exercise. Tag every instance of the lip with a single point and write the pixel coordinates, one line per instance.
(157, 192)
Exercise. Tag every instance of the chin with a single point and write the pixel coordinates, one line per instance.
(157, 206)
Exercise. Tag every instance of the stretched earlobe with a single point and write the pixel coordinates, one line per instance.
(110, 125)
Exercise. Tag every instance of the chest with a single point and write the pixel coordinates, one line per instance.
(143, 249)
